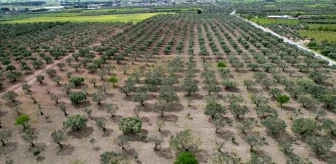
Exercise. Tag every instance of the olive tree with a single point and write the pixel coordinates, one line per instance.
(26, 87)
(189, 86)
(167, 94)
(254, 142)
(130, 125)
(98, 97)
(184, 141)
(76, 80)
(248, 83)
(10, 96)
(259, 100)
(111, 109)
(214, 109)
(157, 141)
(75, 123)
(58, 136)
(100, 123)
(39, 78)
(304, 126)
(330, 126)
(162, 106)
(320, 145)
(77, 97)
(141, 95)
(30, 136)
(5, 135)
(307, 101)
(238, 110)
(275, 126)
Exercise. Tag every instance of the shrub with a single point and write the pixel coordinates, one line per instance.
(186, 158)
(221, 64)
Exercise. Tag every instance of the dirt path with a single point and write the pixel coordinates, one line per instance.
(331, 62)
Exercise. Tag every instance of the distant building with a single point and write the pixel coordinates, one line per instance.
(280, 17)
(54, 8)
(94, 6)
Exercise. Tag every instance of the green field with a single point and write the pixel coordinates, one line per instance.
(318, 5)
(319, 35)
(324, 27)
(277, 21)
(75, 18)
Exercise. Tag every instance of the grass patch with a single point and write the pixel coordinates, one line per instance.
(319, 35)
(276, 21)
(76, 18)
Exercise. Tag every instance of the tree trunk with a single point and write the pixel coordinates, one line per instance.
(155, 148)
(60, 145)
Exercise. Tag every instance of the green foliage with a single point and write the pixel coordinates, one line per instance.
(76, 122)
(76, 80)
(304, 126)
(113, 80)
(58, 136)
(281, 99)
(275, 126)
(77, 97)
(260, 159)
(221, 64)
(29, 136)
(22, 119)
(186, 158)
(130, 125)
(214, 109)
(167, 94)
(10, 96)
(320, 145)
(4, 135)
(40, 78)
(254, 142)
(112, 158)
(184, 141)
(238, 110)
(189, 86)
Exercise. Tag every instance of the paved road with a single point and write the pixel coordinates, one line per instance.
(331, 62)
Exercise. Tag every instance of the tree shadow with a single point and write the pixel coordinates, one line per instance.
(40, 159)
(66, 150)
(107, 132)
(40, 146)
(128, 98)
(10, 147)
(115, 118)
(232, 90)
(83, 133)
(84, 104)
(177, 107)
(225, 134)
(165, 132)
(165, 153)
(287, 108)
(202, 156)
(195, 96)
(138, 136)
(170, 117)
